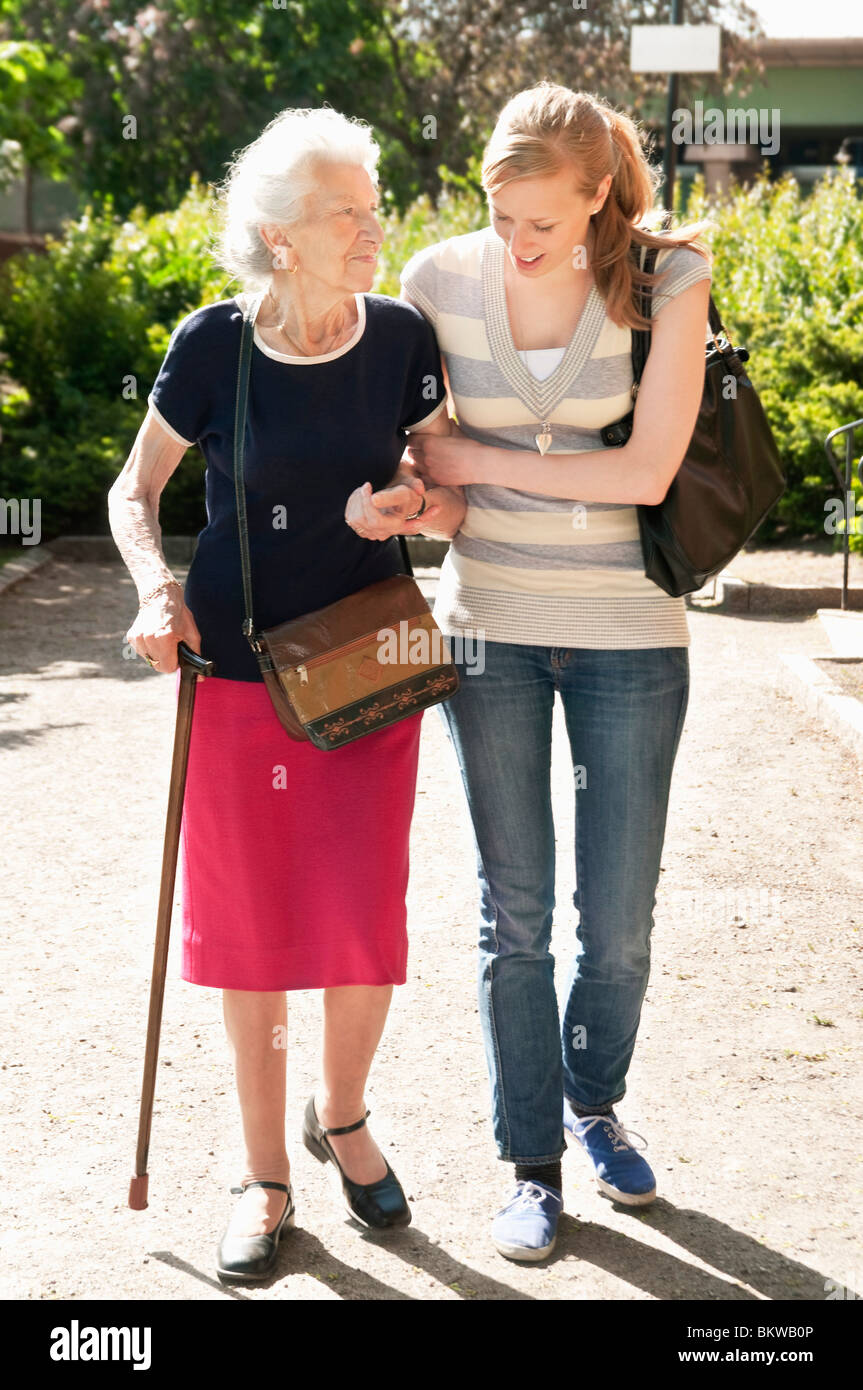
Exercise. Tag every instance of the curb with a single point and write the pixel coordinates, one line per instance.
(742, 596)
(178, 550)
(16, 570)
(801, 678)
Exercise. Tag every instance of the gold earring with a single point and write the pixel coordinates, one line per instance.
(292, 270)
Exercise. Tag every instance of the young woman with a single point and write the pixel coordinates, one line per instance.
(533, 316)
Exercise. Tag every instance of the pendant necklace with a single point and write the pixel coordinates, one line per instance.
(544, 437)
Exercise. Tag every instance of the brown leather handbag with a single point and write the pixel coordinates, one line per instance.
(357, 665)
(729, 479)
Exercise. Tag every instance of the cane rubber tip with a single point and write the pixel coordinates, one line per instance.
(138, 1192)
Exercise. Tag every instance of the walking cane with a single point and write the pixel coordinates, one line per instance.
(191, 665)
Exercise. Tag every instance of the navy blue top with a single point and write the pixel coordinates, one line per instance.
(317, 428)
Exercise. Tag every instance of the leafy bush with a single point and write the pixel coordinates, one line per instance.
(460, 208)
(788, 283)
(72, 472)
(96, 312)
(84, 330)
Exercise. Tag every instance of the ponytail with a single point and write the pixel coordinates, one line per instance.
(546, 127)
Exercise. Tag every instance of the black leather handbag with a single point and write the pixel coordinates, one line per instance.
(730, 476)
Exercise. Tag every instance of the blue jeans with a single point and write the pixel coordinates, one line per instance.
(624, 712)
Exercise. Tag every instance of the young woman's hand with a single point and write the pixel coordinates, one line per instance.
(448, 460)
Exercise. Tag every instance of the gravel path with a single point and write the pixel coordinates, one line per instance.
(745, 1081)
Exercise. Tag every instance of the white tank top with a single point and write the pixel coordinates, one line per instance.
(541, 362)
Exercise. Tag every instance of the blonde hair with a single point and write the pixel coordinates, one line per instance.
(268, 182)
(546, 128)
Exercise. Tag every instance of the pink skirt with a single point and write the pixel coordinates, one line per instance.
(294, 862)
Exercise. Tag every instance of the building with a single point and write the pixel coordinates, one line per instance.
(816, 86)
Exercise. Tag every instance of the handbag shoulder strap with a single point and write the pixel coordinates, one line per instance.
(406, 555)
(250, 313)
(641, 336)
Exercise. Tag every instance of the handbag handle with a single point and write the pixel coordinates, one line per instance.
(250, 314)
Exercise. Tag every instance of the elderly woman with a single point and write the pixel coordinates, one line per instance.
(294, 861)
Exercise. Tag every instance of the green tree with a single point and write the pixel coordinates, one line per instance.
(37, 92)
(175, 87)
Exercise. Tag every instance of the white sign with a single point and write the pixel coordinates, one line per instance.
(675, 48)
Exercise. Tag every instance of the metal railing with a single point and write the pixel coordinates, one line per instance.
(847, 496)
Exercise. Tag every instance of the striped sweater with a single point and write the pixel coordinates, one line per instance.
(527, 568)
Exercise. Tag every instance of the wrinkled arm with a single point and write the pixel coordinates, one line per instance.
(133, 504)
(133, 510)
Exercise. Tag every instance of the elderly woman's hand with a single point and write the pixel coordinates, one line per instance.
(162, 623)
(378, 515)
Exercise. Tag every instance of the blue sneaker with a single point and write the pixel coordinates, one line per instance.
(526, 1228)
(621, 1173)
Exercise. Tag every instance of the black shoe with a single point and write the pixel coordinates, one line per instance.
(244, 1258)
(380, 1204)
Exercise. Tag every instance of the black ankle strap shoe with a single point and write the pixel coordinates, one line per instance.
(244, 1258)
(379, 1205)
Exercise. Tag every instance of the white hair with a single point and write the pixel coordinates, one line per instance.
(269, 180)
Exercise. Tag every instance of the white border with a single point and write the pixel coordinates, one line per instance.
(428, 418)
(157, 415)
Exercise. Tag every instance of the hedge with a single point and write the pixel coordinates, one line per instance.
(84, 329)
